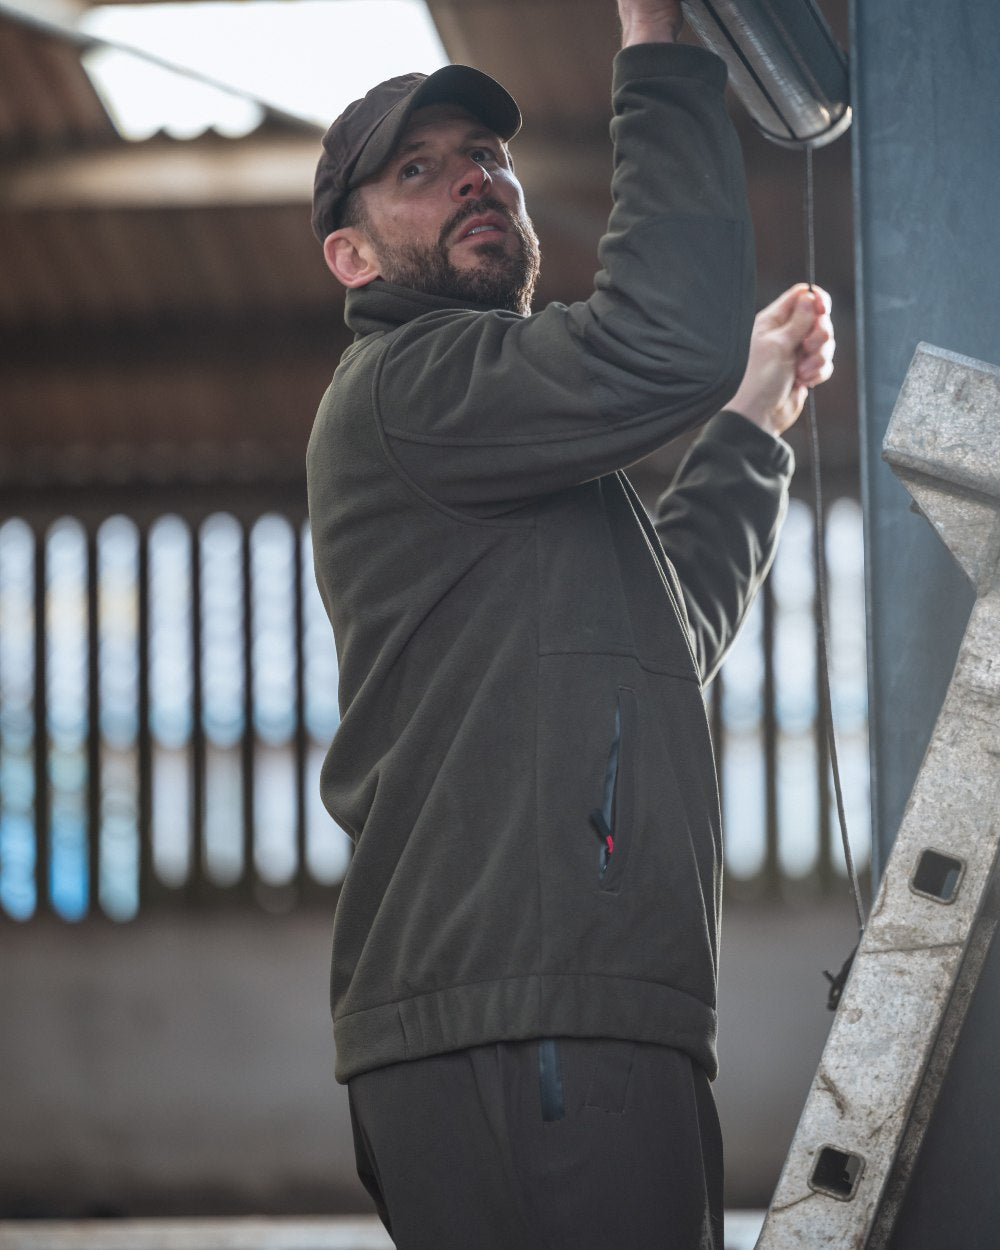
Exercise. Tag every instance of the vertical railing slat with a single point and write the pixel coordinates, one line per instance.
(247, 741)
(300, 742)
(772, 865)
(144, 736)
(93, 750)
(196, 881)
(42, 795)
(824, 865)
(96, 605)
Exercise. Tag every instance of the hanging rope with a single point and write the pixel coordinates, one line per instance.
(822, 615)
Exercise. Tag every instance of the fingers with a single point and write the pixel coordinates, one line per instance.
(791, 350)
(820, 333)
(804, 319)
(817, 348)
(815, 377)
(778, 311)
(816, 366)
(801, 316)
(822, 300)
(819, 340)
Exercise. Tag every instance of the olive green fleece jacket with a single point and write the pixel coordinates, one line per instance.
(523, 759)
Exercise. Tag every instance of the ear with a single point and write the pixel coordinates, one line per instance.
(350, 257)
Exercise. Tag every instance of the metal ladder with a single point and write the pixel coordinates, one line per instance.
(939, 901)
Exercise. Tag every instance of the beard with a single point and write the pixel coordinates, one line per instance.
(499, 279)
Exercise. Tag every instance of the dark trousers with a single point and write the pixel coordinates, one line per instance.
(571, 1144)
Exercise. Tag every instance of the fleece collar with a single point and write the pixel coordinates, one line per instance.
(381, 306)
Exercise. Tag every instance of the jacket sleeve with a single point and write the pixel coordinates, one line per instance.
(719, 523)
(489, 410)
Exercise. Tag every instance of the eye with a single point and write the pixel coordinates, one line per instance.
(483, 156)
(411, 169)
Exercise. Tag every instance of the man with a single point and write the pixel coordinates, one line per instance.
(525, 945)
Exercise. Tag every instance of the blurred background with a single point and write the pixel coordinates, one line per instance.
(167, 675)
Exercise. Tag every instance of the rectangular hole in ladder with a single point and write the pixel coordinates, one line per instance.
(937, 876)
(837, 1173)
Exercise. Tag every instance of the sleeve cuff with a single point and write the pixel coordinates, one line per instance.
(764, 450)
(673, 60)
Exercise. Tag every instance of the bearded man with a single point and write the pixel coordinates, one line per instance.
(526, 941)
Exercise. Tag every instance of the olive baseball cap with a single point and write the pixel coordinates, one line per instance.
(364, 136)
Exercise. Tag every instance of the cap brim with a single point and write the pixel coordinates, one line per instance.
(482, 95)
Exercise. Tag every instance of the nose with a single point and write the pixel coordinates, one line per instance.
(472, 180)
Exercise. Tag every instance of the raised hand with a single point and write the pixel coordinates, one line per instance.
(791, 350)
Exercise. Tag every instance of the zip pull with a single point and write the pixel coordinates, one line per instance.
(603, 831)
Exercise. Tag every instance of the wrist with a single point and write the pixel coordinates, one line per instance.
(762, 419)
(760, 446)
(647, 32)
(651, 28)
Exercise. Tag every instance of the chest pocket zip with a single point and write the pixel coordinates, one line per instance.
(603, 817)
(612, 819)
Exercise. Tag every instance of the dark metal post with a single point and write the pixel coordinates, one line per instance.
(927, 184)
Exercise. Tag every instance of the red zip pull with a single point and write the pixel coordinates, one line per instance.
(603, 831)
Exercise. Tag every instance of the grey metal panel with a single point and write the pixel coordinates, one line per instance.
(927, 186)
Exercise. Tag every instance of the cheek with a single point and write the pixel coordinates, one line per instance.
(510, 189)
(412, 223)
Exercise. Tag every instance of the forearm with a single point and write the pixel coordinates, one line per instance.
(667, 328)
(719, 525)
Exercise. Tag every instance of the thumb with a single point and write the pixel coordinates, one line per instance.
(777, 313)
(802, 313)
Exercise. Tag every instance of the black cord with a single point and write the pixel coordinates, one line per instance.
(822, 614)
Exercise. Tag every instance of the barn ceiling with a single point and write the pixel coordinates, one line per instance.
(164, 310)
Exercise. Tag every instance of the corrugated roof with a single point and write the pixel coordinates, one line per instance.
(47, 102)
(156, 293)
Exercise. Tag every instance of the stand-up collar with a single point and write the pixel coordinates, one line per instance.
(382, 306)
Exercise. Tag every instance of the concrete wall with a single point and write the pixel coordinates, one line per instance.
(183, 1064)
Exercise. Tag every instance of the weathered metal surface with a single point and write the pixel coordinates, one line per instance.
(916, 966)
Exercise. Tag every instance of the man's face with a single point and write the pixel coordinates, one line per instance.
(446, 214)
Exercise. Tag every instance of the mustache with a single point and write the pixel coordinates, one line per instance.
(485, 204)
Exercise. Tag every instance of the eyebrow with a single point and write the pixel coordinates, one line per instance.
(414, 145)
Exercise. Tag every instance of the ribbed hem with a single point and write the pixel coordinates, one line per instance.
(518, 1008)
